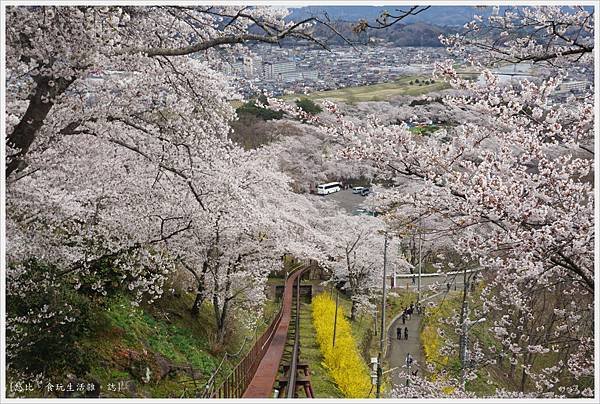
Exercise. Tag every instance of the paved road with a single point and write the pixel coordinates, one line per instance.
(346, 199)
(398, 349)
(442, 280)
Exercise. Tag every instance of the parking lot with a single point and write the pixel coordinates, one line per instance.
(347, 200)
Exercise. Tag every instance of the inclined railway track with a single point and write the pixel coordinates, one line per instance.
(256, 375)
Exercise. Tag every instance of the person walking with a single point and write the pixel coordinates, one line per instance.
(406, 333)
(404, 317)
(409, 361)
(413, 279)
(399, 333)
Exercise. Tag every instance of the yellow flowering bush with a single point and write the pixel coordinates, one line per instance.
(434, 335)
(343, 361)
(432, 343)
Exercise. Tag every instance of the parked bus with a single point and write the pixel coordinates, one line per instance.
(329, 188)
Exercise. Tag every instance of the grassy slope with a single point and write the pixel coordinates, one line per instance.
(377, 92)
(322, 383)
(487, 380)
(123, 332)
(125, 340)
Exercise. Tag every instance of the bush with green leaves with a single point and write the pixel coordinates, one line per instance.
(307, 105)
(251, 108)
(46, 316)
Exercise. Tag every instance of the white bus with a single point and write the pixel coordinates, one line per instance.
(329, 188)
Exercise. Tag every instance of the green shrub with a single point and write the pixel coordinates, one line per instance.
(266, 114)
(45, 319)
(307, 105)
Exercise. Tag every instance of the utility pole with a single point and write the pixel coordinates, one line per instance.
(337, 298)
(375, 322)
(464, 330)
(463, 345)
(420, 264)
(382, 333)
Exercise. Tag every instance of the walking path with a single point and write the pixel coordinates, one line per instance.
(398, 349)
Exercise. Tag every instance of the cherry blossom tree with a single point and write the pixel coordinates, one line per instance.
(119, 167)
(356, 247)
(515, 182)
(86, 156)
(556, 34)
(251, 219)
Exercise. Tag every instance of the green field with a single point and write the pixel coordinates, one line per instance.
(377, 92)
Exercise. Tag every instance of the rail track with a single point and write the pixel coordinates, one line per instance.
(257, 373)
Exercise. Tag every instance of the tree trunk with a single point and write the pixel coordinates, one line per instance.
(527, 360)
(523, 380)
(354, 310)
(40, 104)
(513, 368)
(221, 312)
(198, 301)
(217, 313)
(221, 330)
(200, 291)
(220, 318)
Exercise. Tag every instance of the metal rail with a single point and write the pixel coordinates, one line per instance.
(235, 384)
(291, 389)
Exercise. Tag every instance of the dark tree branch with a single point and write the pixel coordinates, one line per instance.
(386, 19)
(40, 104)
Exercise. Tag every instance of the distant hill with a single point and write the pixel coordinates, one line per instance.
(415, 34)
(436, 15)
(422, 29)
